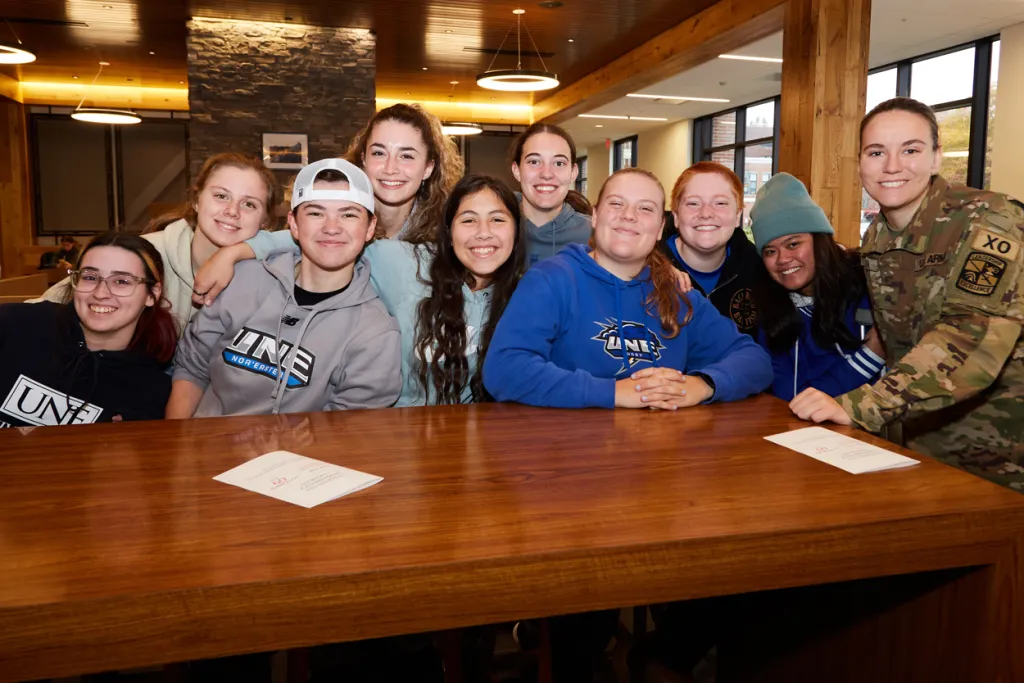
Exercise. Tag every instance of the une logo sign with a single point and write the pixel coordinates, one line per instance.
(40, 405)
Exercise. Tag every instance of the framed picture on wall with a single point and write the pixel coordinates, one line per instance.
(285, 150)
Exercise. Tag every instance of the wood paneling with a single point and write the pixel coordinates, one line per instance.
(15, 188)
(117, 548)
(824, 84)
(449, 37)
(721, 28)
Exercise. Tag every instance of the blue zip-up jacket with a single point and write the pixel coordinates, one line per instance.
(559, 342)
(834, 370)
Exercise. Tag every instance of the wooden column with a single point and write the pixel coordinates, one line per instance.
(15, 189)
(824, 82)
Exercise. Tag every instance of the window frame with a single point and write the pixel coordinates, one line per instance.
(703, 127)
(634, 142)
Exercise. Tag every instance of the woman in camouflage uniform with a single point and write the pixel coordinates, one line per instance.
(945, 269)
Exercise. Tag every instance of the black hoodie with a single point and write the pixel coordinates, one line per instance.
(733, 296)
(47, 373)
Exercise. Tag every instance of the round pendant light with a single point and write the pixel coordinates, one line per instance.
(518, 79)
(117, 117)
(460, 128)
(111, 116)
(15, 55)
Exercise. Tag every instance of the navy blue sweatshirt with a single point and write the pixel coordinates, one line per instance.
(560, 340)
(52, 378)
(833, 370)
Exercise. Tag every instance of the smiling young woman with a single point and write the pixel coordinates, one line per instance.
(945, 271)
(102, 354)
(707, 207)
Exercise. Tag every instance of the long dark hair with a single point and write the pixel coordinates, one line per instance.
(440, 319)
(838, 283)
(156, 333)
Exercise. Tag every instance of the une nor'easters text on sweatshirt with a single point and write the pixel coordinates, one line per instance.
(572, 329)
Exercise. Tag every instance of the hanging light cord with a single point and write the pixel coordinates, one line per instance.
(519, 45)
(535, 48)
(7, 21)
(84, 93)
(498, 51)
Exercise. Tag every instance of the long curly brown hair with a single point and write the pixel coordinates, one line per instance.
(441, 149)
(441, 334)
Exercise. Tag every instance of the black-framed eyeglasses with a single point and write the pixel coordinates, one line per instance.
(119, 284)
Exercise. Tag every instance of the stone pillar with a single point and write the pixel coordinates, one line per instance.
(824, 84)
(249, 78)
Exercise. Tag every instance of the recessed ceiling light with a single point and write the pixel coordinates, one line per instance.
(454, 82)
(599, 125)
(675, 97)
(447, 30)
(151, 52)
(571, 40)
(104, 63)
(774, 60)
(181, 82)
(424, 68)
(75, 77)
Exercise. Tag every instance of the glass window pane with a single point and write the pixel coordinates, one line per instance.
(760, 121)
(726, 158)
(153, 170)
(943, 79)
(73, 196)
(723, 129)
(991, 115)
(757, 168)
(881, 87)
(869, 208)
(955, 134)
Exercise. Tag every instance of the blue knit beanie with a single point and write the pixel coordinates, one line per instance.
(783, 207)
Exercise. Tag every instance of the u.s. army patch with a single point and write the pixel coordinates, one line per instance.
(994, 244)
(981, 274)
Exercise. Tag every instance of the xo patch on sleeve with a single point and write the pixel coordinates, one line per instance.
(981, 273)
(996, 245)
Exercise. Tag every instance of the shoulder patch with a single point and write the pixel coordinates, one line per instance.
(981, 273)
(997, 245)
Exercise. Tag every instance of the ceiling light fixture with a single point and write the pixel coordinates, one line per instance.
(103, 114)
(622, 118)
(676, 97)
(458, 127)
(518, 79)
(745, 58)
(15, 55)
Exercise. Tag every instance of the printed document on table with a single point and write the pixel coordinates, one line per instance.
(839, 450)
(297, 479)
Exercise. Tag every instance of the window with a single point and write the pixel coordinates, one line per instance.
(625, 153)
(581, 177)
(743, 140)
(956, 83)
(121, 176)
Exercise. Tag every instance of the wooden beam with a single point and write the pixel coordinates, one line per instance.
(824, 84)
(15, 191)
(723, 27)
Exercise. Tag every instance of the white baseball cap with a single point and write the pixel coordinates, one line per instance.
(359, 190)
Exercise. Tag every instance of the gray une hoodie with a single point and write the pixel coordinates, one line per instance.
(343, 353)
(544, 241)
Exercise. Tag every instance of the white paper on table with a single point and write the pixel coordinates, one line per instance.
(839, 450)
(297, 479)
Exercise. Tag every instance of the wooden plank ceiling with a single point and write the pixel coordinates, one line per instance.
(454, 39)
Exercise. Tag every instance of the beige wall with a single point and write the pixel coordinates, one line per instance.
(597, 169)
(666, 152)
(1007, 142)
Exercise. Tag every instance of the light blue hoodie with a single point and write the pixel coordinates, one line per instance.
(397, 271)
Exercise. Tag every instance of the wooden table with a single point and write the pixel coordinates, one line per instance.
(117, 549)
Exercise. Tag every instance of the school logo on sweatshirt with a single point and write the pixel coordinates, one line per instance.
(40, 405)
(259, 352)
(641, 344)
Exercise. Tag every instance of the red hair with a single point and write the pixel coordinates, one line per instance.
(707, 167)
(665, 296)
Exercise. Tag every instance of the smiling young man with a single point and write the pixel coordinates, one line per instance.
(299, 332)
(945, 270)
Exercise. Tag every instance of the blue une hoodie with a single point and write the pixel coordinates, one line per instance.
(560, 341)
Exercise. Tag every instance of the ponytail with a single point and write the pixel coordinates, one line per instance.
(666, 297)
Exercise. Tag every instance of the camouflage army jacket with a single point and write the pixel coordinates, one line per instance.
(948, 300)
